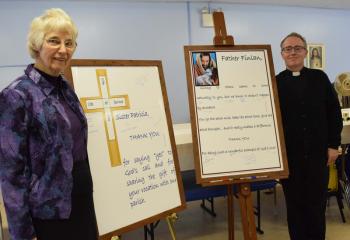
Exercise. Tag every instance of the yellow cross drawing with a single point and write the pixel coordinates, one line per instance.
(107, 104)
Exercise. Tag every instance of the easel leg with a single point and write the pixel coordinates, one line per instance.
(231, 233)
(247, 212)
(170, 220)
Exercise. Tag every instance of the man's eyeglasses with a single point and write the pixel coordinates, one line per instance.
(56, 43)
(297, 49)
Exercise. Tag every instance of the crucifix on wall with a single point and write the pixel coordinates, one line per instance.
(106, 104)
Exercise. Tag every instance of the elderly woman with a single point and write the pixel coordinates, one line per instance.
(45, 177)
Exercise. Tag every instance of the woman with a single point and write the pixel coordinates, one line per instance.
(45, 177)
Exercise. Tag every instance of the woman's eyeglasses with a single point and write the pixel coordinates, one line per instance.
(56, 43)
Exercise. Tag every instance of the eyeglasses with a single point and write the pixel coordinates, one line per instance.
(56, 43)
(297, 49)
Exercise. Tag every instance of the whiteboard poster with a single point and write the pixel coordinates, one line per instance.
(131, 146)
(237, 129)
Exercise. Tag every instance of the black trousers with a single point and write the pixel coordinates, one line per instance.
(306, 198)
(82, 222)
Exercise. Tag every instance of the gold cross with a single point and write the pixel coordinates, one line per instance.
(107, 104)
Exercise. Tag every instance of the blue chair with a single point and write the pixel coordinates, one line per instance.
(194, 192)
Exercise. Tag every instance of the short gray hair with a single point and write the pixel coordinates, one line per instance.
(54, 19)
(294, 34)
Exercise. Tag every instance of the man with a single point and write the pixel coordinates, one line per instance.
(312, 125)
(205, 71)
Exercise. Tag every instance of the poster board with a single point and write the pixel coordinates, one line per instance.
(131, 146)
(236, 122)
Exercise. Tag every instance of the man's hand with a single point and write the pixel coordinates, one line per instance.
(332, 155)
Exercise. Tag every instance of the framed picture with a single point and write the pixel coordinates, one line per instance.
(205, 71)
(235, 115)
(316, 56)
(132, 151)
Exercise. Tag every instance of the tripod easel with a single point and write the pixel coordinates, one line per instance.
(244, 192)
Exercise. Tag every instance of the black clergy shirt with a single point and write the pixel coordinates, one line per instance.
(311, 118)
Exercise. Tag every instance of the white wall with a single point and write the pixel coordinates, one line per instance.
(124, 30)
(254, 24)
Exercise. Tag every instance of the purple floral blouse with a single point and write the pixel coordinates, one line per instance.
(36, 152)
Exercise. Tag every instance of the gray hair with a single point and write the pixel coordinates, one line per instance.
(294, 34)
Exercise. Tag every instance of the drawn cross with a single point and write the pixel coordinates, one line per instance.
(106, 104)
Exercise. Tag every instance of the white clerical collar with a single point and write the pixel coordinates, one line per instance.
(296, 74)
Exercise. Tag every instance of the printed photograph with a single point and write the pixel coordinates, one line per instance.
(316, 56)
(205, 71)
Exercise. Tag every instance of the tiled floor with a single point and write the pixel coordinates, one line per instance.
(195, 224)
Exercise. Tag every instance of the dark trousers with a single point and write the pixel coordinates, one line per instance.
(82, 222)
(306, 205)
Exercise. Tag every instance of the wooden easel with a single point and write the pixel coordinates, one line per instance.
(244, 192)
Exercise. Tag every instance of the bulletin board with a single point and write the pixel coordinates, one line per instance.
(235, 116)
(131, 146)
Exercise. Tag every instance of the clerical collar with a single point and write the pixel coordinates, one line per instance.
(296, 73)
